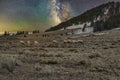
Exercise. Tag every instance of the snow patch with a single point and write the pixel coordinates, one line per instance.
(79, 25)
(76, 26)
(98, 18)
(87, 30)
(106, 11)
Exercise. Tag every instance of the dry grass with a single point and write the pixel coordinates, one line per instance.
(97, 59)
(9, 63)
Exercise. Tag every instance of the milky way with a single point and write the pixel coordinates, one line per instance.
(55, 11)
(60, 10)
(40, 14)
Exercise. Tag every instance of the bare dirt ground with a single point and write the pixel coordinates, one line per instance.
(79, 57)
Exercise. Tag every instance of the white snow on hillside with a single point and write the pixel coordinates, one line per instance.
(87, 30)
(106, 11)
(79, 26)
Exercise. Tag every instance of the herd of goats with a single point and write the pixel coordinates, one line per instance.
(54, 41)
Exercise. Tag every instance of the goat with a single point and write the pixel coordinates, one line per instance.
(73, 41)
(55, 41)
(22, 42)
(36, 42)
(28, 42)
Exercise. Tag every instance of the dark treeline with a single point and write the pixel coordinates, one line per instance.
(7, 33)
(112, 22)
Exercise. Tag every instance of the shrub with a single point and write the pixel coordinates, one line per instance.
(8, 63)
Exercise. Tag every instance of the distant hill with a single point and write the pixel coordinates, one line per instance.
(103, 17)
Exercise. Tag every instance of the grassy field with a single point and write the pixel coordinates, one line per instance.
(94, 56)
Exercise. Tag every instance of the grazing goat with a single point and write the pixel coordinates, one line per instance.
(28, 42)
(80, 41)
(36, 42)
(55, 41)
(98, 34)
(22, 42)
(73, 41)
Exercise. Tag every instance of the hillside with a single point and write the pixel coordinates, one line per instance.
(103, 17)
(94, 56)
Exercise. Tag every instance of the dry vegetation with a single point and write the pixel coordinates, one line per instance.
(97, 57)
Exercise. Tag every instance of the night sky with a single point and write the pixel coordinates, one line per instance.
(41, 14)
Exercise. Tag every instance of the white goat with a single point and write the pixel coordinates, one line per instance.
(36, 42)
(55, 41)
(73, 41)
(28, 42)
(22, 42)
